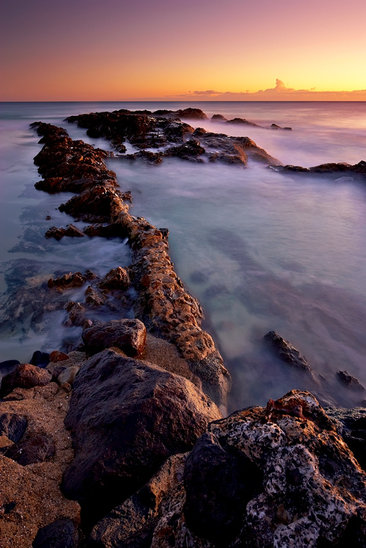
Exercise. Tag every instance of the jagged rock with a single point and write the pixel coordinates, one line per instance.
(61, 533)
(76, 314)
(297, 485)
(96, 204)
(349, 381)
(71, 230)
(275, 126)
(140, 416)
(128, 334)
(67, 281)
(117, 278)
(286, 352)
(132, 523)
(25, 375)
(353, 430)
(93, 297)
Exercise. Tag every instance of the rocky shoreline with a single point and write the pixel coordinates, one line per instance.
(122, 442)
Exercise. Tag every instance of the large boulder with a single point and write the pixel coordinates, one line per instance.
(126, 418)
(279, 476)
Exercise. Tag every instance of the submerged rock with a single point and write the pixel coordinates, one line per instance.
(71, 230)
(349, 381)
(286, 352)
(140, 415)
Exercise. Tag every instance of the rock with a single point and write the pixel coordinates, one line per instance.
(13, 426)
(41, 359)
(132, 523)
(192, 113)
(94, 298)
(117, 278)
(128, 334)
(57, 356)
(67, 281)
(33, 447)
(241, 122)
(353, 430)
(297, 485)
(286, 352)
(140, 416)
(189, 150)
(218, 117)
(67, 376)
(76, 314)
(71, 230)
(349, 381)
(275, 126)
(61, 533)
(25, 376)
(218, 486)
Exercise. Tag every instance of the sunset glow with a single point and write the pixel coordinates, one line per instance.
(202, 50)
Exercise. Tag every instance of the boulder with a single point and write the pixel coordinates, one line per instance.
(192, 113)
(71, 230)
(218, 117)
(13, 426)
(57, 356)
(61, 533)
(25, 376)
(128, 334)
(292, 479)
(349, 381)
(67, 281)
(39, 358)
(34, 447)
(140, 415)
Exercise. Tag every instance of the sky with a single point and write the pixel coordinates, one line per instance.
(86, 50)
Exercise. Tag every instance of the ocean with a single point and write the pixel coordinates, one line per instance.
(259, 249)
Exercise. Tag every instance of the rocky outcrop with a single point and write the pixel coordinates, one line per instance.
(263, 477)
(286, 352)
(140, 415)
(335, 169)
(350, 381)
(164, 130)
(58, 233)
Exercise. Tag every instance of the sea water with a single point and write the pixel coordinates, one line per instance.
(260, 250)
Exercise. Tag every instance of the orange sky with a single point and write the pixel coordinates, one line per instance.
(191, 50)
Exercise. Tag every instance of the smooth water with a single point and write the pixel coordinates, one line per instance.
(260, 250)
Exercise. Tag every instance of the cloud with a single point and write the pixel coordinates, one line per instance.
(280, 92)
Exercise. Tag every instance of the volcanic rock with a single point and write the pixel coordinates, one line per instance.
(140, 416)
(294, 483)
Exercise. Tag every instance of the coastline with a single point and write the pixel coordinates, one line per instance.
(166, 309)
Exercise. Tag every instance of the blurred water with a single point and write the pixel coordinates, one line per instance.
(259, 249)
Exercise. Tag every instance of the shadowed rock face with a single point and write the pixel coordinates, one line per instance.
(293, 481)
(126, 418)
(127, 334)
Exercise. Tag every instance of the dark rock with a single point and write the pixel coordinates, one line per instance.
(218, 485)
(353, 430)
(76, 314)
(275, 126)
(241, 122)
(41, 359)
(192, 113)
(286, 352)
(67, 281)
(140, 416)
(189, 150)
(349, 381)
(13, 426)
(218, 117)
(128, 334)
(33, 447)
(117, 278)
(58, 233)
(61, 533)
(25, 376)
